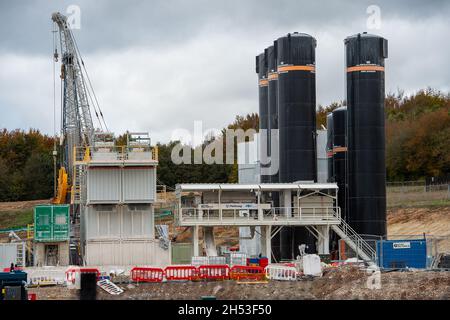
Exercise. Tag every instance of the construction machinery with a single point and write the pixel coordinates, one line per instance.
(78, 96)
(77, 128)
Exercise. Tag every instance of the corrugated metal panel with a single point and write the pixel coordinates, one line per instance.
(8, 254)
(103, 185)
(249, 173)
(51, 223)
(139, 219)
(42, 222)
(402, 253)
(123, 253)
(321, 144)
(119, 222)
(139, 184)
(60, 222)
(98, 224)
(322, 161)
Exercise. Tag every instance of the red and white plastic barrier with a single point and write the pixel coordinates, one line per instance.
(180, 273)
(214, 272)
(142, 274)
(32, 296)
(73, 276)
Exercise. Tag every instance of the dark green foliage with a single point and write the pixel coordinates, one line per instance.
(26, 165)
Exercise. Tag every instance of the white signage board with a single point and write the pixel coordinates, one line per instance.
(401, 245)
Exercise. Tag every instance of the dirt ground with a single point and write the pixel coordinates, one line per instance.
(345, 283)
(416, 221)
(21, 205)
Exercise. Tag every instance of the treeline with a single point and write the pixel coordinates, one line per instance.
(417, 134)
(171, 174)
(26, 165)
(417, 146)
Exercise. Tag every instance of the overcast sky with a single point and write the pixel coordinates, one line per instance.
(158, 66)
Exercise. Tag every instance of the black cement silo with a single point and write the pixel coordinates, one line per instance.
(261, 70)
(339, 145)
(297, 125)
(330, 147)
(272, 76)
(297, 107)
(365, 56)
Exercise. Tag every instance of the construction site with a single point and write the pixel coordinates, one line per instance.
(311, 216)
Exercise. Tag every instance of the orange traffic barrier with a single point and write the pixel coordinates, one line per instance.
(247, 272)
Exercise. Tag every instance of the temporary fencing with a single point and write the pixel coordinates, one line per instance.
(247, 272)
(199, 261)
(237, 259)
(280, 272)
(72, 276)
(47, 276)
(216, 260)
(143, 274)
(214, 272)
(181, 273)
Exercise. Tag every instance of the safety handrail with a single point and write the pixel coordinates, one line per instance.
(278, 213)
(84, 154)
(360, 243)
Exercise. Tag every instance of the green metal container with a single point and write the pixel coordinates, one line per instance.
(51, 223)
(182, 253)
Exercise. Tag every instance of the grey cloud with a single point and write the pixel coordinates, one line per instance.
(160, 65)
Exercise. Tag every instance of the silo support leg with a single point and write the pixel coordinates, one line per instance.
(323, 239)
(266, 243)
(195, 240)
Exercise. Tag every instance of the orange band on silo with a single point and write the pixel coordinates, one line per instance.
(340, 149)
(365, 68)
(273, 76)
(296, 68)
(263, 82)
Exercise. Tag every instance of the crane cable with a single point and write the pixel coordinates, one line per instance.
(89, 81)
(54, 110)
(88, 92)
(88, 89)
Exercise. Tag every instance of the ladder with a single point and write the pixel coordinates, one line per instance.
(109, 287)
(78, 183)
(355, 241)
(20, 254)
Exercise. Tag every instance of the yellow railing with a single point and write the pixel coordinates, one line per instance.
(155, 153)
(30, 231)
(85, 154)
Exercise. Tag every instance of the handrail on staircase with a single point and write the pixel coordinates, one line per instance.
(360, 243)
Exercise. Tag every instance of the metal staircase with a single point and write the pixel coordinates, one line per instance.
(109, 287)
(355, 241)
(78, 183)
